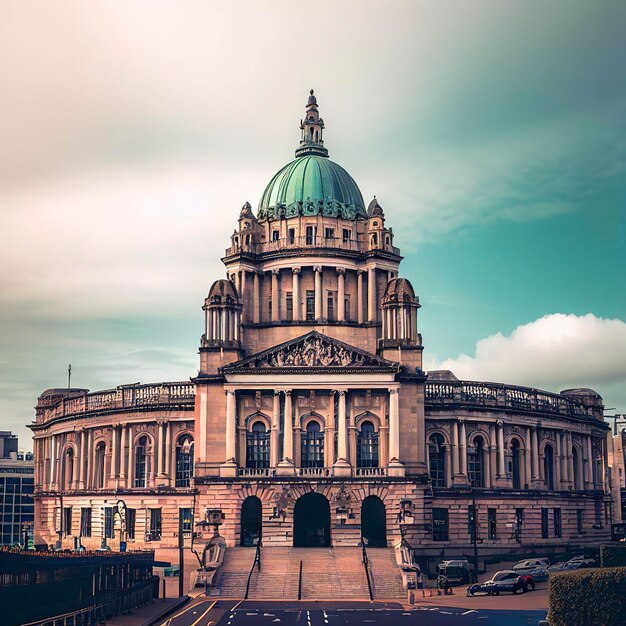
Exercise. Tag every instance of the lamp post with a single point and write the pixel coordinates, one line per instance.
(120, 510)
(475, 532)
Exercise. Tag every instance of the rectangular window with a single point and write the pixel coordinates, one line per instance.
(310, 306)
(275, 235)
(155, 524)
(310, 235)
(67, 521)
(545, 530)
(269, 310)
(332, 314)
(471, 521)
(346, 304)
(289, 305)
(185, 517)
(108, 522)
(579, 521)
(557, 522)
(292, 236)
(131, 517)
(440, 524)
(329, 233)
(85, 522)
(519, 523)
(492, 524)
(346, 235)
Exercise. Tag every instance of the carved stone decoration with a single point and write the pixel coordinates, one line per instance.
(282, 501)
(312, 398)
(258, 399)
(343, 497)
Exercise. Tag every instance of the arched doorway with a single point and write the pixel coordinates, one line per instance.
(251, 521)
(374, 522)
(311, 521)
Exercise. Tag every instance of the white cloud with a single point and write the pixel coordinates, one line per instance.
(554, 352)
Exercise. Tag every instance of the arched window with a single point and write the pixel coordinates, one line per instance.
(515, 464)
(99, 468)
(577, 472)
(548, 467)
(141, 462)
(258, 447)
(68, 469)
(374, 239)
(313, 446)
(367, 446)
(184, 461)
(476, 463)
(437, 457)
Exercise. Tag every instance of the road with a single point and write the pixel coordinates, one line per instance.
(209, 612)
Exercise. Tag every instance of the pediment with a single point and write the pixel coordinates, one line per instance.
(312, 351)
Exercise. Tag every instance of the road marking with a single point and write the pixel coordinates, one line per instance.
(470, 611)
(210, 607)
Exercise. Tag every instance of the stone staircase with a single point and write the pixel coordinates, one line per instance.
(233, 574)
(385, 574)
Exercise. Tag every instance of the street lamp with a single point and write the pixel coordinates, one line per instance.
(475, 532)
(121, 510)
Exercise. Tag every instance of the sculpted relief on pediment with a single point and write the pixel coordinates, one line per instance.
(313, 352)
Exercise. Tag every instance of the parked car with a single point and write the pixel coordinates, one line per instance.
(581, 561)
(561, 566)
(456, 571)
(536, 568)
(504, 580)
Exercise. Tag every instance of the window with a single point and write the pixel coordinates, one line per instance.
(289, 305)
(310, 235)
(471, 521)
(131, 517)
(346, 304)
(67, 521)
(313, 446)
(155, 524)
(292, 236)
(576, 467)
(346, 235)
(367, 446)
(258, 447)
(519, 524)
(269, 309)
(515, 463)
(275, 235)
(437, 459)
(108, 522)
(492, 524)
(184, 461)
(475, 463)
(332, 316)
(329, 233)
(310, 306)
(579, 521)
(557, 522)
(185, 516)
(545, 530)
(100, 466)
(141, 462)
(548, 467)
(440, 524)
(85, 522)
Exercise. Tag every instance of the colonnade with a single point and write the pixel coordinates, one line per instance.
(285, 418)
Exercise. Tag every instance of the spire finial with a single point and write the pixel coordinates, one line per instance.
(312, 127)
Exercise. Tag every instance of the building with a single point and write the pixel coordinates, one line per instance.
(311, 421)
(17, 483)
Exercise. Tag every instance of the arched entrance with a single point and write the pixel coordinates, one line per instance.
(374, 522)
(311, 521)
(251, 521)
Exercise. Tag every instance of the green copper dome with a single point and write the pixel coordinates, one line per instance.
(312, 185)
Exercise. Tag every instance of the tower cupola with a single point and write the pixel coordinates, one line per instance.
(312, 127)
(222, 310)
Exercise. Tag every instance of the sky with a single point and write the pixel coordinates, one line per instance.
(493, 133)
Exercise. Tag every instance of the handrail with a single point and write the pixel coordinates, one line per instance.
(300, 583)
(257, 561)
(366, 563)
(64, 616)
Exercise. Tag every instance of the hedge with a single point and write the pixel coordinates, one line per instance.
(588, 597)
(613, 555)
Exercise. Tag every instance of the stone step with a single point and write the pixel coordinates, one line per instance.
(385, 574)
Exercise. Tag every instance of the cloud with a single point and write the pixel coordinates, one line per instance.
(554, 352)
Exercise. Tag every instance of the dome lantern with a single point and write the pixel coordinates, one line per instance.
(312, 127)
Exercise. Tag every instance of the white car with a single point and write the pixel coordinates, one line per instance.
(536, 568)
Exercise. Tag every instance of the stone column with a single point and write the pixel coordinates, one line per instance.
(159, 456)
(229, 467)
(114, 451)
(274, 434)
(81, 461)
(487, 464)
(588, 467)
(297, 306)
(88, 452)
(318, 292)
(122, 454)
(256, 298)
(169, 448)
(371, 295)
(557, 462)
(562, 437)
(534, 451)
(395, 467)
(359, 296)
(455, 450)
(463, 447)
(341, 294)
(342, 467)
(570, 460)
(448, 469)
(286, 466)
(275, 300)
(501, 470)
(527, 458)
(53, 461)
(131, 458)
(493, 450)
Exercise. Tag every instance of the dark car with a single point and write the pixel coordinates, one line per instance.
(504, 580)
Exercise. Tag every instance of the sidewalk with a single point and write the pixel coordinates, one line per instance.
(150, 613)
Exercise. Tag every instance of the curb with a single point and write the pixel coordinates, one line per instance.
(166, 611)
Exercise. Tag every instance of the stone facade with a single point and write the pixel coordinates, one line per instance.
(311, 420)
